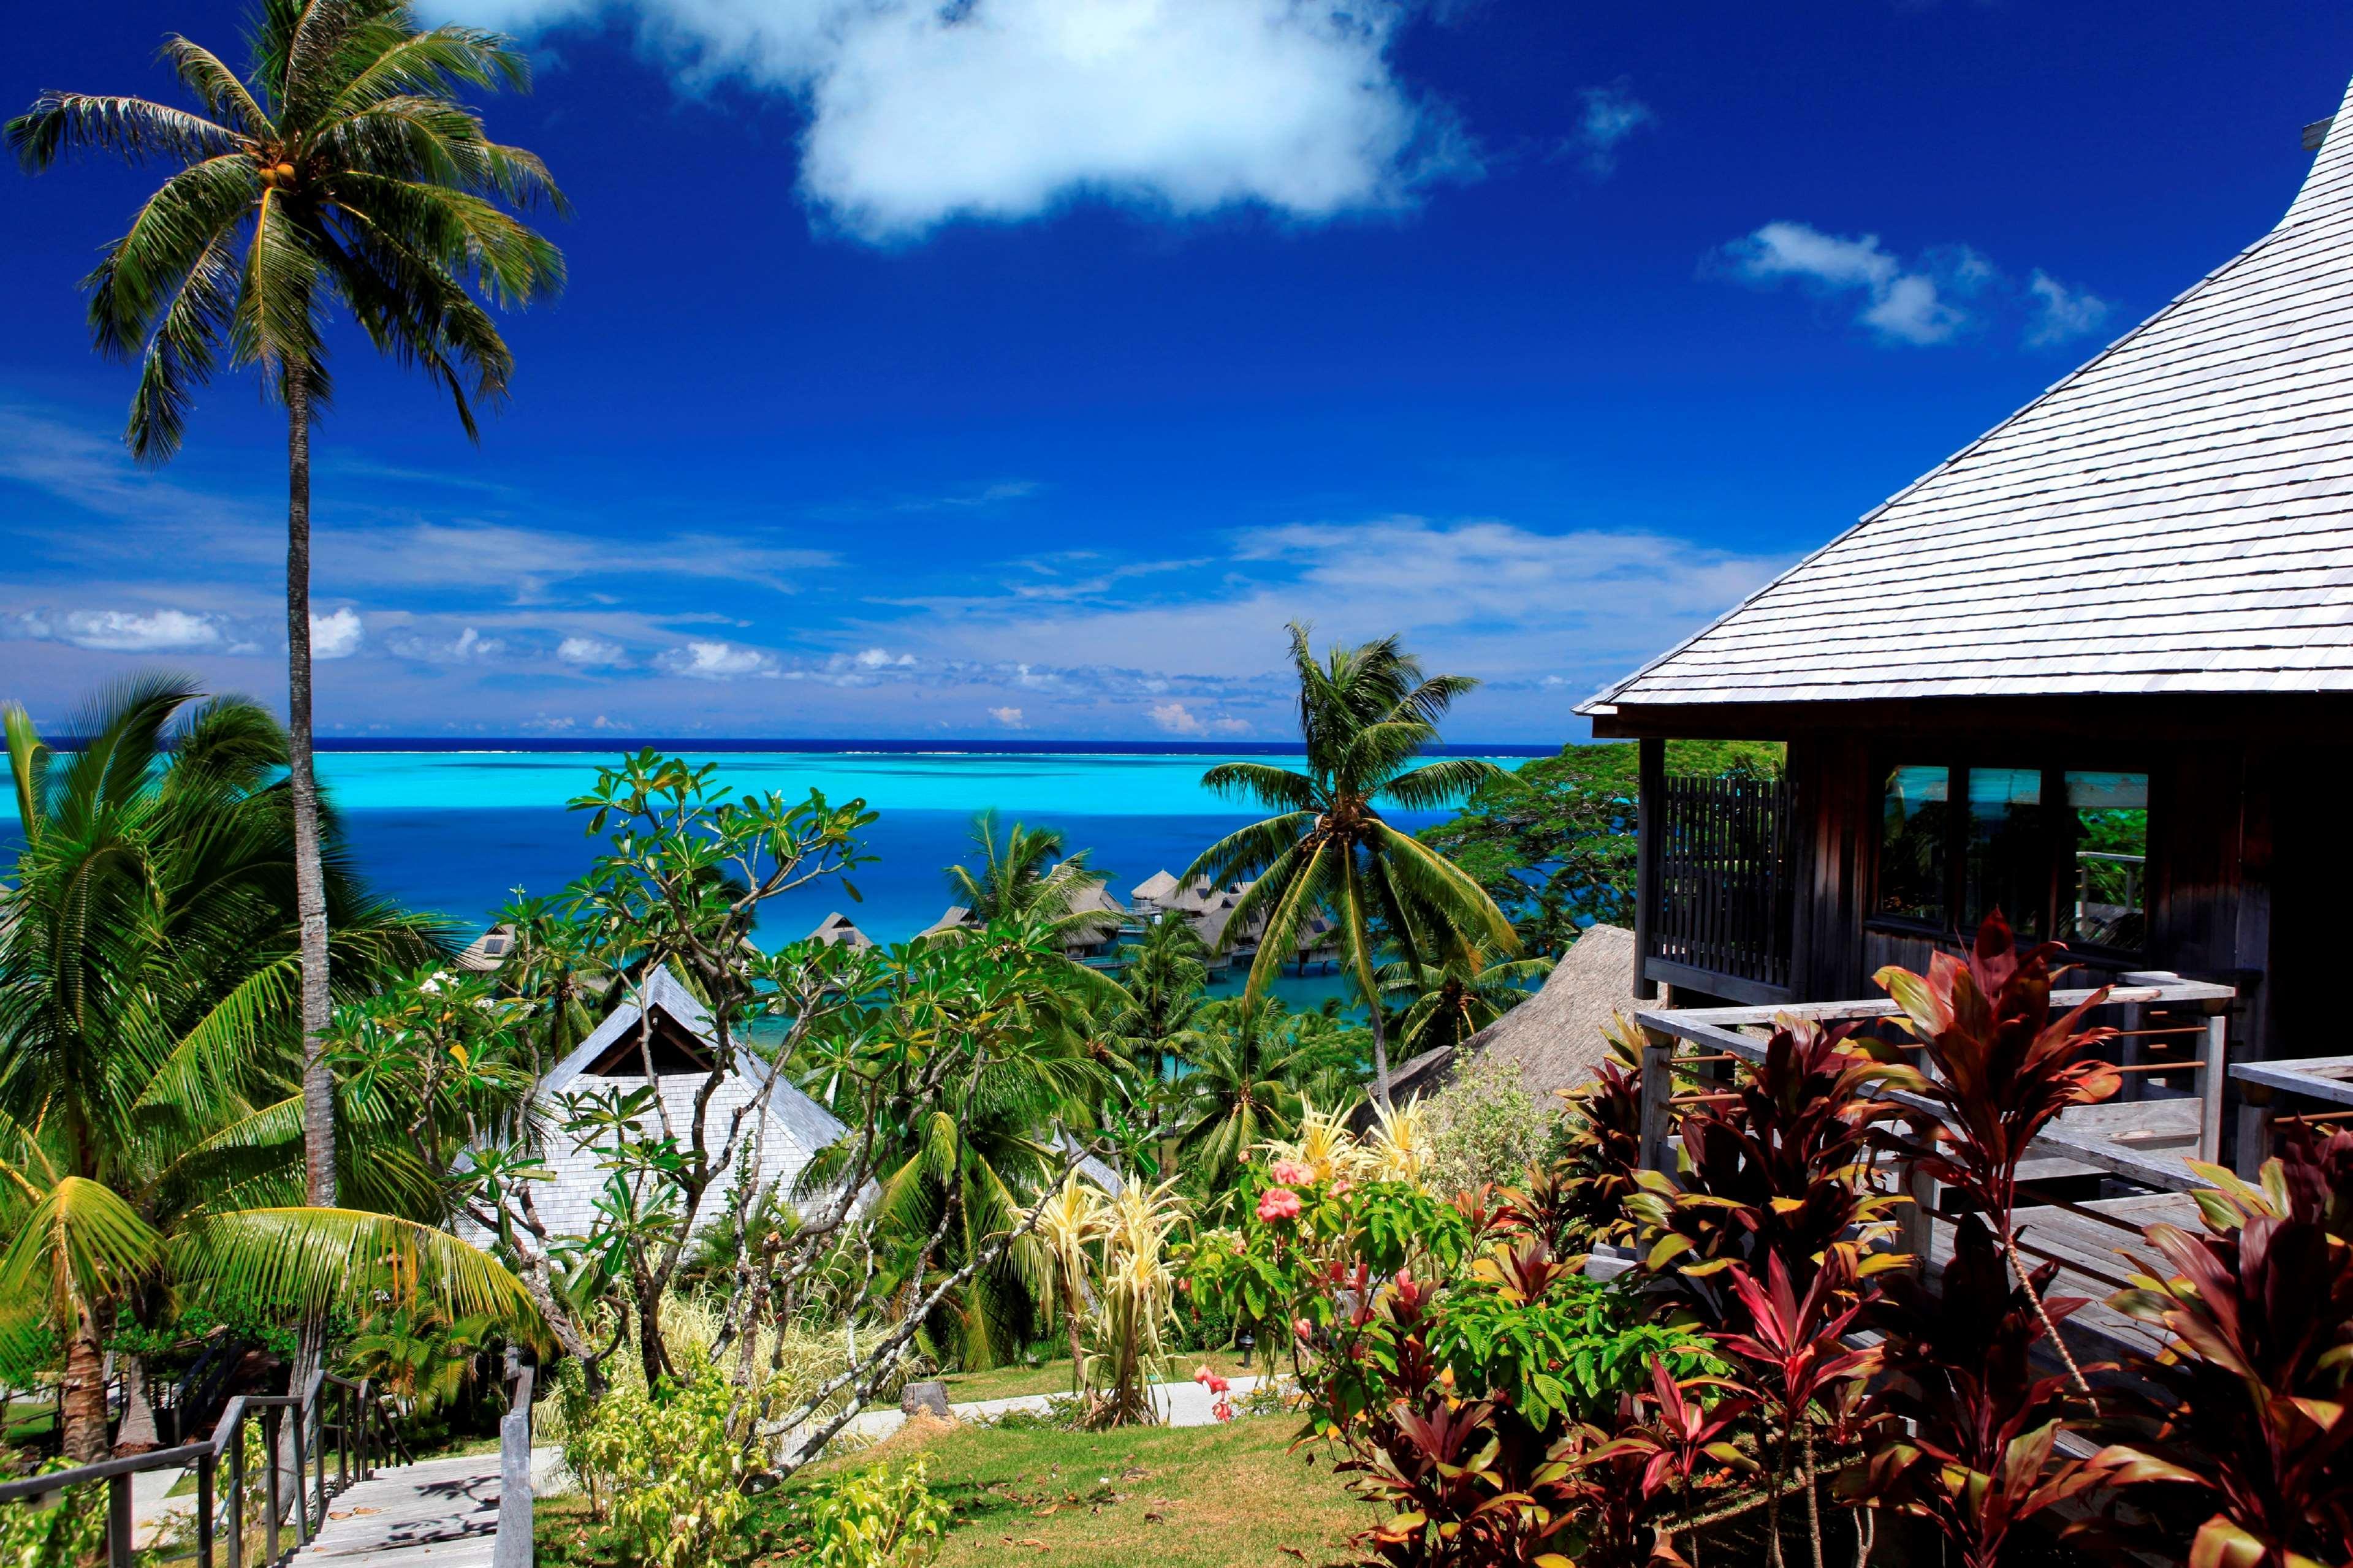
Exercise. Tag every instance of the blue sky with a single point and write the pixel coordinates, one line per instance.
(1022, 367)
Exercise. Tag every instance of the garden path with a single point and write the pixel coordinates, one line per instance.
(439, 1513)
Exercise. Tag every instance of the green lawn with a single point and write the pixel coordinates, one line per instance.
(1054, 1376)
(1195, 1497)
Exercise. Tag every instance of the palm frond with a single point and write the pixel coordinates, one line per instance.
(136, 128)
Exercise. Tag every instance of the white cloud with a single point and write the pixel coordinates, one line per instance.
(921, 113)
(127, 631)
(1612, 113)
(1178, 719)
(882, 658)
(2063, 313)
(592, 653)
(337, 635)
(1901, 306)
(1009, 717)
(468, 647)
(1915, 302)
(716, 661)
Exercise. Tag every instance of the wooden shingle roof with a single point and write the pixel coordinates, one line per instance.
(2176, 516)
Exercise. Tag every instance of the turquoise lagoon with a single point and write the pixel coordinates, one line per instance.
(460, 831)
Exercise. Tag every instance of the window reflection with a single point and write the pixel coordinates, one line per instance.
(2105, 899)
(1912, 842)
(2008, 865)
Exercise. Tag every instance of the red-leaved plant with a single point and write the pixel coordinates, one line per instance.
(1779, 1171)
(1969, 1427)
(2259, 1312)
(1797, 1349)
(2004, 1069)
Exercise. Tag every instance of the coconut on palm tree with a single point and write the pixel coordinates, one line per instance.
(1366, 713)
(339, 170)
(151, 1108)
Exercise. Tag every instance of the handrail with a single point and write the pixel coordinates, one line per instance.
(309, 1434)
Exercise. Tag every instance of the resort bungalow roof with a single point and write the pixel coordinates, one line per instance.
(2174, 517)
(487, 950)
(1555, 1037)
(836, 929)
(1153, 890)
(956, 918)
(683, 1045)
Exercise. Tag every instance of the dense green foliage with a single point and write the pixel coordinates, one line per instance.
(1556, 850)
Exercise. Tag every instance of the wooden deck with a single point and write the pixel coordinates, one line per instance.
(2086, 1250)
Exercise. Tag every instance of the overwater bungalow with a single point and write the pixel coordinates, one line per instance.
(835, 931)
(2096, 670)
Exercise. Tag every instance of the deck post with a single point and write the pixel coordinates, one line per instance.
(1658, 1089)
(1648, 806)
(119, 1524)
(2136, 1085)
(2216, 1058)
(236, 1493)
(273, 1509)
(2255, 1140)
(204, 1511)
(1915, 1222)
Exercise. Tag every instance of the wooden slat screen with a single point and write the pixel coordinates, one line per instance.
(1725, 877)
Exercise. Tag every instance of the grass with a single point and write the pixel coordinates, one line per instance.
(1054, 1376)
(1193, 1497)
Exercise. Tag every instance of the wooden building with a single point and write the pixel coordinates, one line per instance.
(2097, 669)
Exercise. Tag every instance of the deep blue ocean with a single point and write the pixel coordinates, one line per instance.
(458, 831)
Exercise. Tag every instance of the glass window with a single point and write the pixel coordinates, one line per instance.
(2009, 866)
(2106, 901)
(1912, 844)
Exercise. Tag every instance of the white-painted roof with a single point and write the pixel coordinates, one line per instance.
(2176, 516)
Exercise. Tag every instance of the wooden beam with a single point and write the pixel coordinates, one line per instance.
(1649, 825)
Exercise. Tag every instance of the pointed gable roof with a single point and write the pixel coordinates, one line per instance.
(2176, 516)
(676, 1008)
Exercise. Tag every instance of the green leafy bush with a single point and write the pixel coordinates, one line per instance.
(73, 1531)
(879, 1517)
(1485, 1127)
(662, 1472)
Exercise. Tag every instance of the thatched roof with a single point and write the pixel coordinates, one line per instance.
(956, 918)
(1155, 889)
(1556, 1035)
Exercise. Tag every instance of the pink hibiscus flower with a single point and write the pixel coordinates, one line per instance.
(1278, 1203)
(1292, 1174)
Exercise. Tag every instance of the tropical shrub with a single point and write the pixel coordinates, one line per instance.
(2260, 1314)
(72, 1530)
(1484, 1127)
(1775, 1172)
(662, 1471)
(879, 1517)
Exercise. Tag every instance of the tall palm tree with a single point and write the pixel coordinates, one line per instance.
(151, 1114)
(1366, 713)
(341, 169)
(1447, 1002)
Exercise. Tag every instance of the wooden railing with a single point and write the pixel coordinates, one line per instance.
(2146, 1138)
(361, 1433)
(1719, 883)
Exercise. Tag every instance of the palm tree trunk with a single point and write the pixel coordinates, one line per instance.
(309, 883)
(85, 1392)
(1380, 1055)
(138, 1433)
